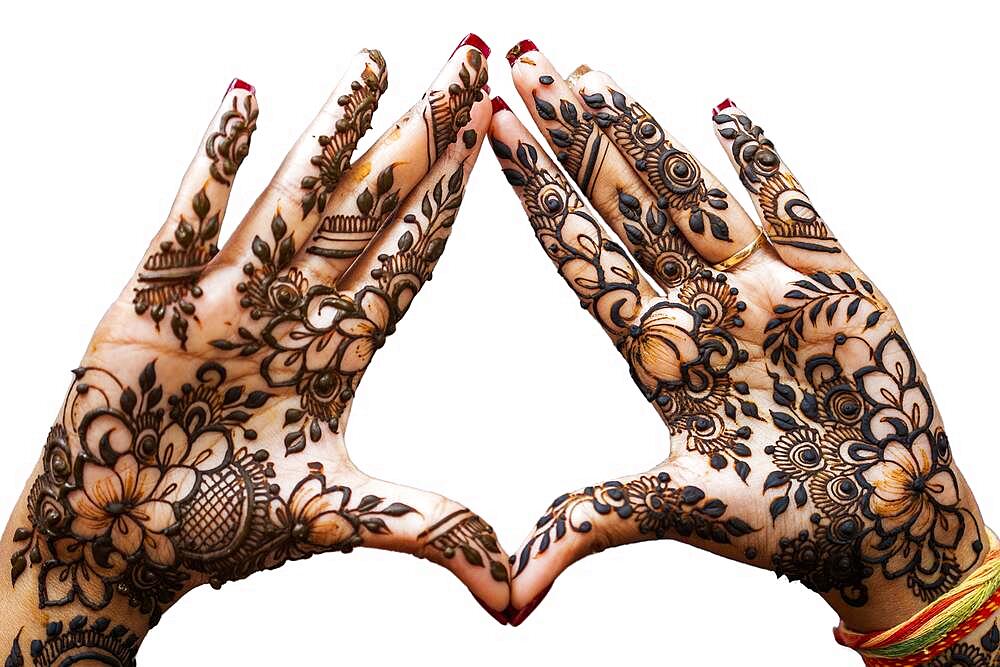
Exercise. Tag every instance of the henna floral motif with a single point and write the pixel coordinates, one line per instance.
(334, 158)
(319, 341)
(680, 353)
(865, 450)
(139, 490)
(659, 507)
(658, 245)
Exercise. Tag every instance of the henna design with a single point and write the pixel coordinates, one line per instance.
(230, 144)
(346, 236)
(335, 153)
(660, 509)
(139, 491)
(320, 340)
(680, 353)
(985, 653)
(580, 145)
(596, 267)
(449, 111)
(466, 533)
(865, 450)
(169, 276)
(821, 296)
(660, 248)
(674, 175)
(789, 214)
(78, 642)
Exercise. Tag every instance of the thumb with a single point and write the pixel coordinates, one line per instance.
(678, 499)
(447, 533)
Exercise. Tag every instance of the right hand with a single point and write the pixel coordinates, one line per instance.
(202, 438)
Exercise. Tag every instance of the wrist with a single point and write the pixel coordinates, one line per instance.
(958, 627)
(36, 631)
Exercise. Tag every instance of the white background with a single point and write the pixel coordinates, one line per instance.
(497, 390)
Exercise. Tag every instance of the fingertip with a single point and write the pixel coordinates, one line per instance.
(521, 615)
(239, 84)
(722, 106)
(499, 104)
(499, 616)
(476, 42)
(520, 49)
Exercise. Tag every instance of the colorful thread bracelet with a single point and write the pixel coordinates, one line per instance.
(938, 626)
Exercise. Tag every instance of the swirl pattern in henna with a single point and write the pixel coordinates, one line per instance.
(788, 213)
(680, 353)
(674, 176)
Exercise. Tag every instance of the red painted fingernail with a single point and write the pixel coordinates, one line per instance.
(486, 88)
(240, 84)
(475, 41)
(499, 104)
(519, 49)
(521, 615)
(499, 616)
(722, 106)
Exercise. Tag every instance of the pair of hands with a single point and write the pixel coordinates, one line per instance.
(202, 438)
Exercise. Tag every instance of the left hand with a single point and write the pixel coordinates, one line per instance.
(803, 437)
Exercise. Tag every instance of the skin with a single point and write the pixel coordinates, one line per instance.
(202, 437)
(802, 436)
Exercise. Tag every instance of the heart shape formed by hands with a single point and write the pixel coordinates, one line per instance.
(202, 438)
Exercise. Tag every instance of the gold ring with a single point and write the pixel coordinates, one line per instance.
(740, 255)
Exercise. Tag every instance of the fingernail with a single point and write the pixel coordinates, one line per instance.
(519, 49)
(722, 106)
(486, 88)
(475, 41)
(521, 615)
(240, 84)
(499, 616)
(499, 104)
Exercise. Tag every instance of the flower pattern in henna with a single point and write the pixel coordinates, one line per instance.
(142, 491)
(318, 340)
